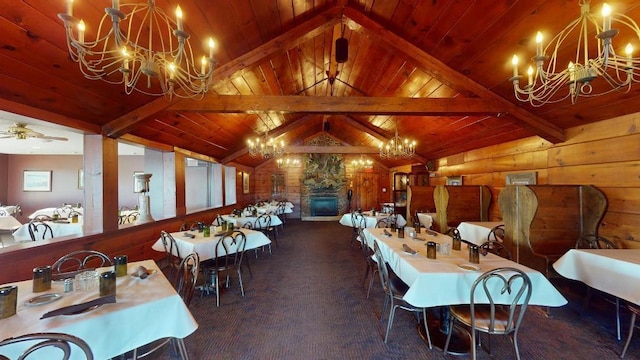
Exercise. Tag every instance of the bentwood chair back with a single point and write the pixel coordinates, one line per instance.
(229, 252)
(492, 316)
(172, 253)
(80, 260)
(57, 343)
(263, 223)
(497, 233)
(39, 230)
(599, 242)
(495, 247)
(370, 260)
(357, 222)
(185, 284)
(395, 289)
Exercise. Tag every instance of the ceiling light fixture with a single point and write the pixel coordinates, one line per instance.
(265, 147)
(362, 163)
(546, 83)
(144, 49)
(287, 162)
(397, 148)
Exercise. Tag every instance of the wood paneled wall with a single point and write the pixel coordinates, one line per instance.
(604, 154)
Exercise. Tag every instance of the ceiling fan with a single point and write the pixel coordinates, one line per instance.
(21, 132)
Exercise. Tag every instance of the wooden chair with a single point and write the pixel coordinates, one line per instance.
(61, 342)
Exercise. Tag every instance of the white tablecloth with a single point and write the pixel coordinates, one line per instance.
(426, 219)
(614, 271)
(273, 208)
(477, 232)
(8, 210)
(145, 310)
(59, 228)
(64, 211)
(440, 281)
(240, 221)
(205, 246)
(9, 223)
(370, 220)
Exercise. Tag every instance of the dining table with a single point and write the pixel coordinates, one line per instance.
(613, 271)
(145, 310)
(370, 219)
(241, 221)
(8, 210)
(426, 219)
(447, 279)
(273, 207)
(63, 211)
(205, 246)
(62, 227)
(9, 223)
(477, 232)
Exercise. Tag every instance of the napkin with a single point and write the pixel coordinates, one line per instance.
(431, 232)
(79, 308)
(386, 233)
(189, 235)
(407, 249)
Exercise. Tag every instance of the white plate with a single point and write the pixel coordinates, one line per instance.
(43, 299)
(469, 267)
(149, 273)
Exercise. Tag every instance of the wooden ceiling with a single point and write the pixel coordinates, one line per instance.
(437, 70)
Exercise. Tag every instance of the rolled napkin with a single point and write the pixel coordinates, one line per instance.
(79, 308)
(189, 235)
(431, 232)
(407, 249)
(386, 233)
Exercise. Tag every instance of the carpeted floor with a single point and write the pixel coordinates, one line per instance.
(307, 301)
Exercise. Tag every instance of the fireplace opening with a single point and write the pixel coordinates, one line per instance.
(324, 206)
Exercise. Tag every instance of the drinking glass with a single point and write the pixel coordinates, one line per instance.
(87, 280)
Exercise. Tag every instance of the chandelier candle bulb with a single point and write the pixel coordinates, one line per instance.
(530, 73)
(179, 18)
(514, 61)
(203, 63)
(211, 46)
(70, 7)
(539, 44)
(81, 29)
(606, 17)
(115, 4)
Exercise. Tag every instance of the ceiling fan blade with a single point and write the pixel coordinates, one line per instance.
(49, 138)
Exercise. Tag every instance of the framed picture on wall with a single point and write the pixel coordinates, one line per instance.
(36, 180)
(454, 180)
(245, 182)
(526, 178)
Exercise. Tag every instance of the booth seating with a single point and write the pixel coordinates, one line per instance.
(542, 222)
(452, 204)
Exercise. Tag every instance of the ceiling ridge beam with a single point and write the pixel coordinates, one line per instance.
(456, 80)
(337, 105)
(308, 29)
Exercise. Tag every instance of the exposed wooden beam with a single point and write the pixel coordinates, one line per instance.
(338, 105)
(456, 80)
(299, 34)
(136, 140)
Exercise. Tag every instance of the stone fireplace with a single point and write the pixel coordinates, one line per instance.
(322, 189)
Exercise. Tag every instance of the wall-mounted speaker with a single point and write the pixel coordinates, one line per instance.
(327, 126)
(431, 165)
(342, 50)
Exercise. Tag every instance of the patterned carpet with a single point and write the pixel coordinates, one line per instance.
(307, 301)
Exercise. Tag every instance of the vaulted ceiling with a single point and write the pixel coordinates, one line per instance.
(438, 71)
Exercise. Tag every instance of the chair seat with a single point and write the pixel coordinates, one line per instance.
(482, 317)
(397, 286)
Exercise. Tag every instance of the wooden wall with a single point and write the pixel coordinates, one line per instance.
(605, 154)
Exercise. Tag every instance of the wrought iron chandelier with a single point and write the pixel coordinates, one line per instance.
(265, 147)
(288, 162)
(362, 163)
(396, 148)
(563, 78)
(144, 49)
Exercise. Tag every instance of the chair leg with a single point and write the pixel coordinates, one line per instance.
(618, 317)
(631, 327)
(240, 281)
(390, 322)
(426, 327)
(182, 349)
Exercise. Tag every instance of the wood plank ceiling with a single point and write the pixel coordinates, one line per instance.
(436, 70)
